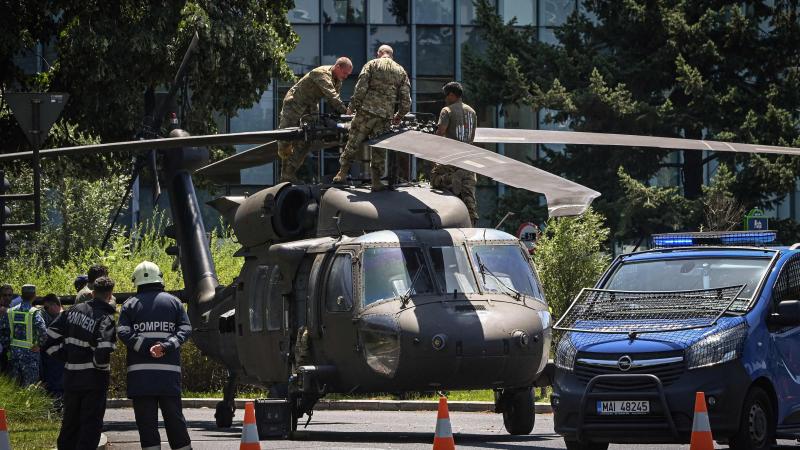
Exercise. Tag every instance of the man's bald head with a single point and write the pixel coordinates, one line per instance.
(385, 51)
(342, 68)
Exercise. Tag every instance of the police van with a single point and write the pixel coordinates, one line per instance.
(711, 312)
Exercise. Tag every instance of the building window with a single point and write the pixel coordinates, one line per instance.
(434, 11)
(394, 12)
(554, 13)
(397, 37)
(342, 11)
(522, 10)
(467, 13)
(260, 116)
(305, 55)
(435, 51)
(430, 99)
(548, 36)
(305, 11)
(344, 40)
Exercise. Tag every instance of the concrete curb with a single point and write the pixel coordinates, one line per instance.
(351, 405)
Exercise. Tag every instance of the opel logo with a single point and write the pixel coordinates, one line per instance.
(624, 363)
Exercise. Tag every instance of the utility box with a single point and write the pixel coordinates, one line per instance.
(273, 418)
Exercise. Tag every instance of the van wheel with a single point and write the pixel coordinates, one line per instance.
(519, 414)
(575, 445)
(757, 424)
(224, 414)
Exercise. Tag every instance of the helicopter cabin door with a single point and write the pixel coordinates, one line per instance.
(338, 306)
(264, 343)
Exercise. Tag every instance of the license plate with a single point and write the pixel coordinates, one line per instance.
(623, 407)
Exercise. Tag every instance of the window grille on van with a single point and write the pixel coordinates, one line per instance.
(788, 285)
(634, 312)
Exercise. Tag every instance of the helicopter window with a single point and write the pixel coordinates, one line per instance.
(339, 288)
(504, 269)
(452, 271)
(260, 284)
(275, 301)
(392, 272)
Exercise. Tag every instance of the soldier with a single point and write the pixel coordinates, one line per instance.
(22, 329)
(457, 120)
(84, 338)
(52, 370)
(153, 325)
(381, 83)
(303, 99)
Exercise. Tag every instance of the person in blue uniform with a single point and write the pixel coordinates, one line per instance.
(153, 325)
(21, 330)
(52, 370)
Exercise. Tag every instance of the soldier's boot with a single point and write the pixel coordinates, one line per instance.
(377, 184)
(288, 171)
(341, 175)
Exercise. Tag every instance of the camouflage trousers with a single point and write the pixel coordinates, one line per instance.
(293, 153)
(460, 183)
(363, 127)
(24, 366)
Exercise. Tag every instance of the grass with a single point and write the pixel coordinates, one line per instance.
(32, 425)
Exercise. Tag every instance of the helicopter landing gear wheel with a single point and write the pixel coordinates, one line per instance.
(519, 414)
(224, 414)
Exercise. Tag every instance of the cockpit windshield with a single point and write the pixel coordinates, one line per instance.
(503, 269)
(452, 271)
(390, 272)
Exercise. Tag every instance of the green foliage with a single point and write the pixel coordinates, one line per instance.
(32, 423)
(570, 256)
(700, 69)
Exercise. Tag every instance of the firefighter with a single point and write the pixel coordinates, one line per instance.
(84, 338)
(153, 325)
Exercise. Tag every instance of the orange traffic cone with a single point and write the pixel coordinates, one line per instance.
(5, 441)
(249, 429)
(701, 429)
(443, 438)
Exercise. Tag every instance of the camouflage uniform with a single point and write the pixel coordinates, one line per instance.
(381, 84)
(24, 362)
(303, 99)
(460, 121)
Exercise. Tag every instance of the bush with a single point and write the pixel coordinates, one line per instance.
(569, 256)
(32, 423)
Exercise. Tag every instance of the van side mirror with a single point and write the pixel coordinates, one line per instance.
(787, 313)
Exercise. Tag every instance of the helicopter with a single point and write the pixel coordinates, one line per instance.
(345, 290)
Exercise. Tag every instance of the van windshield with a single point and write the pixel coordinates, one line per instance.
(689, 274)
(504, 269)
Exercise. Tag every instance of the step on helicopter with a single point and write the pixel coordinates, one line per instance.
(345, 290)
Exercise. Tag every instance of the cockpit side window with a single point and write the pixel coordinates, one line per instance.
(392, 272)
(339, 286)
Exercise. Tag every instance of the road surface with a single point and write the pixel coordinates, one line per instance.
(362, 430)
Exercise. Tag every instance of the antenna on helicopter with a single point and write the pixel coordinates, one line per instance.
(508, 214)
(337, 219)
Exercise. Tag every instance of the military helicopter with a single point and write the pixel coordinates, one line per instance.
(344, 290)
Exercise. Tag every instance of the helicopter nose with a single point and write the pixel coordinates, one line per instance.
(472, 344)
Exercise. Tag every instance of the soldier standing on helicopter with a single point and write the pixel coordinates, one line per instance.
(302, 100)
(22, 329)
(381, 84)
(457, 120)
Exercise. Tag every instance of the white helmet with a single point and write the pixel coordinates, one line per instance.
(147, 273)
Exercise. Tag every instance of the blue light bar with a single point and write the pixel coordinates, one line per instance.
(733, 238)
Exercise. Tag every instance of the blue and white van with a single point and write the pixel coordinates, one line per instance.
(711, 312)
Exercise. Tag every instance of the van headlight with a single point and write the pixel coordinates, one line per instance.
(565, 353)
(717, 348)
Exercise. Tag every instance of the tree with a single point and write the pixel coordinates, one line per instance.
(702, 69)
(569, 256)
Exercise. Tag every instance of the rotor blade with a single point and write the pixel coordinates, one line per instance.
(252, 137)
(513, 136)
(227, 170)
(564, 197)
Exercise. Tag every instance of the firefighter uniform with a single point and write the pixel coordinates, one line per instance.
(22, 330)
(149, 318)
(382, 92)
(459, 120)
(83, 337)
(303, 100)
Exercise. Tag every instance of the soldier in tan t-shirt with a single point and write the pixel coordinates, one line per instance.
(457, 121)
